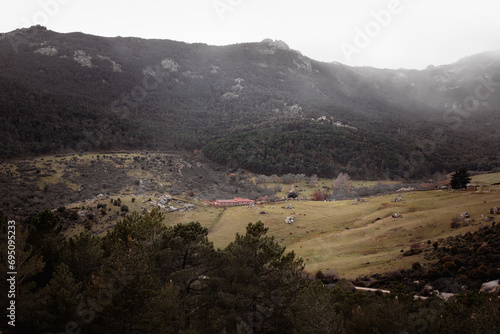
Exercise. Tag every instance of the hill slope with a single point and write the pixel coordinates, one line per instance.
(80, 92)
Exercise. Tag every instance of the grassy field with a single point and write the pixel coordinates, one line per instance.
(486, 179)
(352, 239)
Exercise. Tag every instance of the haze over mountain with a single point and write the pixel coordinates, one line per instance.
(251, 102)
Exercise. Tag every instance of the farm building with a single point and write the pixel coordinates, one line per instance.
(237, 201)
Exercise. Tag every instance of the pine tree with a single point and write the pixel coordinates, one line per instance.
(460, 179)
(46, 239)
(84, 256)
(314, 311)
(261, 281)
(59, 301)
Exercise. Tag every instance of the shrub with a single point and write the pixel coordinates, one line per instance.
(413, 251)
(319, 275)
(446, 258)
(455, 222)
(462, 279)
(449, 266)
(484, 249)
(73, 215)
(416, 266)
(312, 180)
(277, 188)
(124, 208)
(480, 273)
(87, 225)
(415, 245)
(319, 195)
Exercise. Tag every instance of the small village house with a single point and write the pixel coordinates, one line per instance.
(237, 201)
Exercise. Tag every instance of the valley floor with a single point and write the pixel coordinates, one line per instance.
(355, 239)
(350, 237)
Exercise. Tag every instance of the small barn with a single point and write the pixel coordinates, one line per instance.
(237, 201)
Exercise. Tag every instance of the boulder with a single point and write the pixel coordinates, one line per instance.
(398, 199)
(490, 287)
(427, 290)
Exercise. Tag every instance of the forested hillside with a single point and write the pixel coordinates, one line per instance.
(310, 148)
(77, 92)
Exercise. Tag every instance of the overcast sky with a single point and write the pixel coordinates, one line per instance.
(379, 33)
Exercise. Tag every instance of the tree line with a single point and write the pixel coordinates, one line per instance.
(144, 277)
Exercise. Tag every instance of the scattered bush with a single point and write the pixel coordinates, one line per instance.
(73, 215)
(449, 266)
(411, 252)
(455, 222)
(87, 224)
(319, 195)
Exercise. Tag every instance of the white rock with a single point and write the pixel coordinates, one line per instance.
(48, 51)
(83, 59)
(492, 286)
(170, 64)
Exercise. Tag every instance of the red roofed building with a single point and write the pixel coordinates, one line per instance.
(233, 202)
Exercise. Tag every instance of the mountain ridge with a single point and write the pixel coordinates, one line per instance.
(129, 92)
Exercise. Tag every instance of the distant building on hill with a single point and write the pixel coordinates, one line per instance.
(237, 201)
